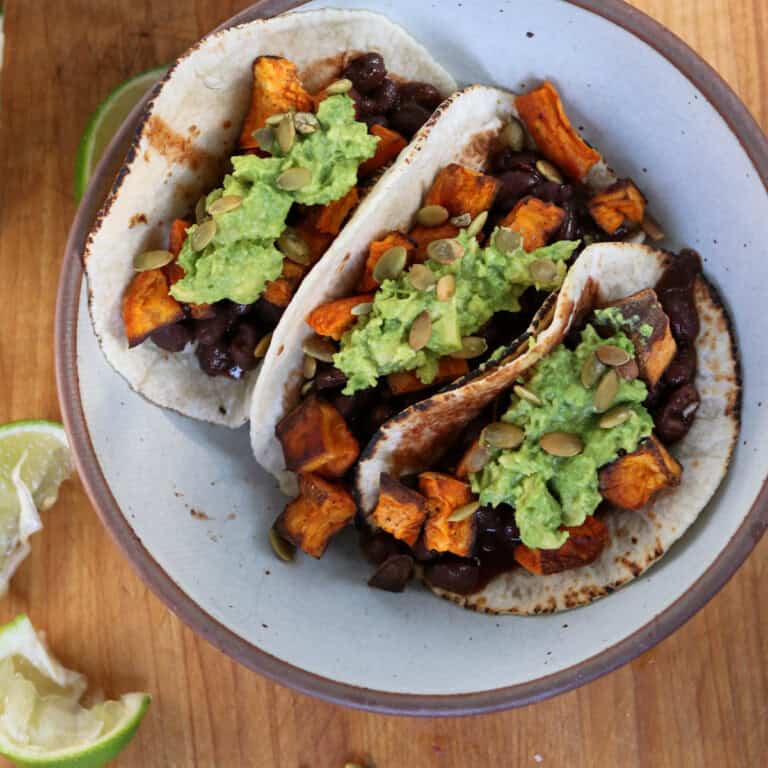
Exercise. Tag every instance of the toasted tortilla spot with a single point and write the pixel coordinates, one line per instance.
(175, 147)
(136, 219)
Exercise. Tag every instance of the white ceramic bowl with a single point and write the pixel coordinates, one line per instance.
(191, 510)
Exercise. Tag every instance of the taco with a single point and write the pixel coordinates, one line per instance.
(472, 229)
(251, 160)
(568, 466)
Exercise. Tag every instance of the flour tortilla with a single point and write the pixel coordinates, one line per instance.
(186, 136)
(411, 441)
(460, 131)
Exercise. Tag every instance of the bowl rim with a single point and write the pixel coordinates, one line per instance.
(754, 143)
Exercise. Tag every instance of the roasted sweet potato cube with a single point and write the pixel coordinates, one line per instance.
(317, 241)
(375, 251)
(178, 235)
(320, 510)
(444, 495)
(405, 382)
(147, 305)
(622, 205)
(315, 438)
(331, 217)
(280, 292)
(462, 190)
(276, 88)
(335, 318)
(391, 143)
(583, 546)
(633, 480)
(650, 333)
(544, 116)
(535, 221)
(423, 236)
(399, 511)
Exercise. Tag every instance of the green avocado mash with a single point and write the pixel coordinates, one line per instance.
(242, 258)
(488, 280)
(548, 491)
(614, 317)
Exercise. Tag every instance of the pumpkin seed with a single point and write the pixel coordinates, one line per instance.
(293, 246)
(305, 123)
(432, 215)
(422, 277)
(309, 367)
(276, 119)
(476, 227)
(306, 387)
(420, 332)
(285, 133)
(513, 135)
(609, 354)
(262, 346)
(340, 86)
(446, 287)
(294, 178)
(477, 458)
(606, 391)
(225, 204)
(615, 416)
(203, 234)
(282, 548)
(462, 513)
(265, 138)
(462, 220)
(549, 172)
(507, 240)
(200, 212)
(471, 347)
(629, 371)
(320, 349)
(152, 260)
(591, 369)
(502, 435)
(445, 251)
(563, 444)
(526, 394)
(542, 271)
(390, 264)
(651, 227)
(363, 308)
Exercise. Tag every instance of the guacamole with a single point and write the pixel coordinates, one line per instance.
(548, 491)
(488, 280)
(242, 258)
(614, 317)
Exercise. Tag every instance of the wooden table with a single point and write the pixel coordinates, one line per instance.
(698, 699)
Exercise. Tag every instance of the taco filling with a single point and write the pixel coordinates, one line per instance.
(433, 302)
(586, 431)
(305, 161)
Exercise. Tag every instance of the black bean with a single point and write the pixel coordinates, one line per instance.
(509, 160)
(569, 229)
(380, 413)
(329, 377)
(377, 546)
(268, 314)
(682, 369)
(393, 574)
(380, 101)
(421, 553)
(214, 359)
(371, 120)
(243, 343)
(211, 330)
(172, 338)
(514, 186)
(423, 94)
(681, 272)
(551, 192)
(683, 317)
(674, 418)
(408, 118)
(460, 576)
(366, 72)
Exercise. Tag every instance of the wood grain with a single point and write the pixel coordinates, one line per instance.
(698, 699)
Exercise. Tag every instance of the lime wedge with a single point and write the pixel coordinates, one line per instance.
(34, 460)
(42, 722)
(105, 121)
